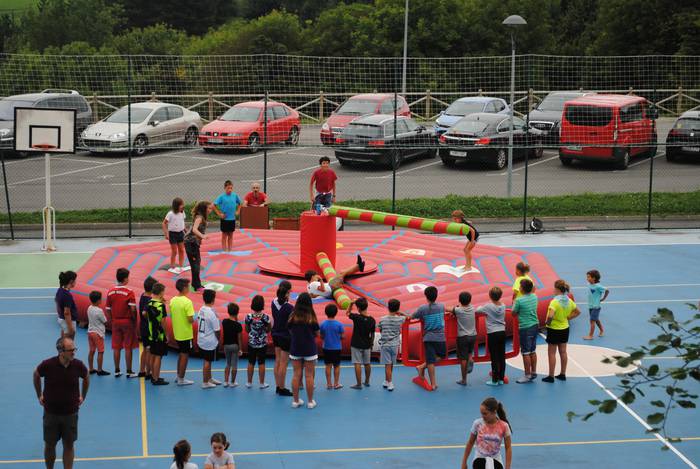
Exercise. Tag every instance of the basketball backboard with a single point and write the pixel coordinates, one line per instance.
(44, 130)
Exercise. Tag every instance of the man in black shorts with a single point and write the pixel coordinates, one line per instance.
(61, 399)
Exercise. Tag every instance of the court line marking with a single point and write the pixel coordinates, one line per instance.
(25, 297)
(287, 174)
(398, 173)
(529, 166)
(144, 416)
(645, 160)
(650, 301)
(356, 450)
(645, 244)
(27, 314)
(659, 285)
(33, 253)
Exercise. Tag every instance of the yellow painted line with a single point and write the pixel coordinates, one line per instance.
(144, 418)
(358, 450)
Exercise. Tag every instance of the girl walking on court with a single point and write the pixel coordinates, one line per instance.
(472, 237)
(174, 232)
(219, 458)
(303, 328)
(194, 238)
(561, 310)
(182, 452)
(488, 433)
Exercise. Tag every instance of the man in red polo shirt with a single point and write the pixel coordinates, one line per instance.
(256, 197)
(121, 303)
(323, 179)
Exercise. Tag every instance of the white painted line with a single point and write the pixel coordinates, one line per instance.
(29, 288)
(287, 174)
(645, 160)
(520, 246)
(26, 297)
(649, 301)
(529, 165)
(63, 158)
(398, 173)
(27, 314)
(660, 285)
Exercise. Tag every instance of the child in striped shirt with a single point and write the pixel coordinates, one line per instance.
(390, 329)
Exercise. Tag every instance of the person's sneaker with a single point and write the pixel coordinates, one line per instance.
(385, 384)
(296, 404)
(159, 382)
(356, 386)
(248, 385)
(366, 384)
(311, 404)
(233, 385)
(102, 373)
(184, 382)
(461, 383)
(360, 263)
(548, 379)
(338, 386)
(142, 374)
(117, 373)
(215, 382)
(226, 384)
(131, 374)
(177, 270)
(148, 377)
(390, 386)
(523, 379)
(561, 377)
(491, 383)
(264, 385)
(208, 385)
(92, 372)
(533, 377)
(285, 392)
(501, 382)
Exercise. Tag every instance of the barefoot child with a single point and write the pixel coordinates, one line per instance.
(317, 287)
(174, 232)
(596, 295)
(472, 237)
(363, 326)
(96, 333)
(208, 328)
(323, 180)
(466, 333)
(332, 335)
(389, 341)
(233, 345)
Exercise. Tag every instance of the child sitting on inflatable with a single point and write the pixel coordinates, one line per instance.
(317, 287)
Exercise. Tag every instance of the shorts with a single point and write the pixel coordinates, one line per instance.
(231, 354)
(433, 350)
(144, 332)
(208, 355)
(593, 313)
(64, 325)
(528, 339)
(465, 346)
(184, 346)
(227, 226)
(176, 237)
(481, 463)
(331, 357)
(159, 349)
(282, 342)
(60, 427)
(310, 358)
(387, 354)
(124, 337)
(96, 342)
(257, 354)
(322, 200)
(557, 336)
(360, 355)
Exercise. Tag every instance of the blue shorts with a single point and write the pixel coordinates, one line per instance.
(433, 350)
(593, 313)
(528, 340)
(323, 200)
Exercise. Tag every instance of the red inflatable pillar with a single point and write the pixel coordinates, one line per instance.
(317, 234)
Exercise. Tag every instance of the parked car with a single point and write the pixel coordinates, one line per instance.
(243, 126)
(466, 106)
(683, 139)
(609, 128)
(370, 139)
(546, 116)
(359, 105)
(153, 125)
(51, 98)
(484, 137)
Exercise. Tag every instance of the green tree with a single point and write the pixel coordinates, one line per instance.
(160, 39)
(8, 28)
(193, 17)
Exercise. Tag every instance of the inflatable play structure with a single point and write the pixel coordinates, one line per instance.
(399, 264)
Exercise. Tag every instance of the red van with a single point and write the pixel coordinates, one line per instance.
(607, 127)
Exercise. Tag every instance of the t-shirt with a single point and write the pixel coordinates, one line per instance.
(495, 317)
(96, 320)
(562, 306)
(61, 390)
(226, 458)
(390, 327)
(228, 203)
(207, 328)
(121, 301)
(181, 308)
(313, 289)
(433, 316)
(466, 320)
(192, 238)
(362, 330)
(595, 293)
(64, 299)
(525, 307)
(256, 324)
(156, 312)
(489, 438)
(255, 200)
(331, 331)
(143, 314)
(516, 284)
(324, 179)
(176, 221)
(303, 339)
(280, 317)
(231, 329)
(188, 465)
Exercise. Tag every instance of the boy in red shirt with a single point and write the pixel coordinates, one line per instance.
(323, 179)
(121, 303)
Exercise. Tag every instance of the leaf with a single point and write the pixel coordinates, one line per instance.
(628, 397)
(658, 349)
(666, 314)
(658, 403)
(676, 342)
(594, 402)
(653, 419)
(686, 404)
(653, 370)
(608, 406)
(571, 415)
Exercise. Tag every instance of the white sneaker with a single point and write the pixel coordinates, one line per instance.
(177, 270)
(390, 386)
(298, 403)
(233, 385)
(208, 385)
(215, 382)
(184, 382)
(264, 385)
(385, 384)
(248, 385)
(131, 374)
(226, 384)
(311, 404)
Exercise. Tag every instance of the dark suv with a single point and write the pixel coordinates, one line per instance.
(546, 117)
(51, 98)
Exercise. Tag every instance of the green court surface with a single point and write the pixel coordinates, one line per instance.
(39, 269)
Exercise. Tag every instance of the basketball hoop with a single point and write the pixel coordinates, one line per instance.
(48, 214)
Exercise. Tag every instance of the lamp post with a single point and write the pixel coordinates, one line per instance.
(512, 22)
(405, 50)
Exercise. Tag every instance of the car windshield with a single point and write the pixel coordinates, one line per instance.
(363, 130)
(357, 107)
(594, 116)
(555, 102)
(7, 108)
(242, 114)
(688, 124)
(138, 115)
(460, 108)
(469, 127)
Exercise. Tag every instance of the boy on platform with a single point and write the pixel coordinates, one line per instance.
(227, 206)
(323, 180)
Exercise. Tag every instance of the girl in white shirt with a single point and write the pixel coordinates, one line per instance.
(219, 457)
(174, 232)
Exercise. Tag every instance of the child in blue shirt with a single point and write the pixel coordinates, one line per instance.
(227, 207)
(597, 293)
(332, 335)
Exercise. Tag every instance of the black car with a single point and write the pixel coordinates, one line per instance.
(51, 98)
(547, 115)
(484, 137)
(684, 137)
(370, 139)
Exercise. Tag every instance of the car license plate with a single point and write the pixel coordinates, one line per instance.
(458, 153)
(216, 140)
(356, 148)
(574, 147)
(690, 148)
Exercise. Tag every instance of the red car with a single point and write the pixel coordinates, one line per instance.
(243, 126)
(359, 105)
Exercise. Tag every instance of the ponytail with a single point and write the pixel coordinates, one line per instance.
(562, 286)
(492, 405)
(282, 290)
(501, 412)
(181, 452)
(64, 278)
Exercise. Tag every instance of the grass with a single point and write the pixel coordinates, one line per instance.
(629, 204)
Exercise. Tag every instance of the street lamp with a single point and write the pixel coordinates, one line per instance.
(405, 50)
(513, 21)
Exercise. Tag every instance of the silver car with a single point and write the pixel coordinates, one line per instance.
(153, 124)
